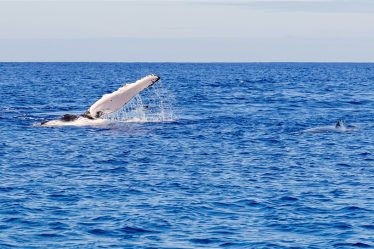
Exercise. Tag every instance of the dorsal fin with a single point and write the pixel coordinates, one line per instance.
(340, 124)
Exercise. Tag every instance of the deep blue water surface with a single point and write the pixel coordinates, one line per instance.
(234, 170)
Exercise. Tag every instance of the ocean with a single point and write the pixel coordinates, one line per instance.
(233, 155)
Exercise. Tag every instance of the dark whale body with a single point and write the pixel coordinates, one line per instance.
(340, 126)
(70, 118)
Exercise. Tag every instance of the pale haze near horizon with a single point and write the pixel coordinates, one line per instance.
(187, 31)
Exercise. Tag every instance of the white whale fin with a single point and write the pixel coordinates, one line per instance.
(112, 102)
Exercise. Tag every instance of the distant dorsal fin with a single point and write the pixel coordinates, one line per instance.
(340, 124)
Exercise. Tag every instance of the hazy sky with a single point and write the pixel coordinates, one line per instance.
(187, 30)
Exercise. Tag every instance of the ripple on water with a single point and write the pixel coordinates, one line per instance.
(233, 170)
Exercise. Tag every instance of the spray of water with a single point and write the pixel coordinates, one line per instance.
(153, 105)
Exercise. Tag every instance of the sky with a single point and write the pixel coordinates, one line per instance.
(187, 30)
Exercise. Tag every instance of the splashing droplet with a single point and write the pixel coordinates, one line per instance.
(153, 105)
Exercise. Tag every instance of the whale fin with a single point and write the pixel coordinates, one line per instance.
(340, 124)
(112, 102)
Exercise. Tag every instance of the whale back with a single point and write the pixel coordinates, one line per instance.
(69, 117)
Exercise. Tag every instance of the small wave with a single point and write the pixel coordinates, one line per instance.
(350, 245)
(353, 209)
(369, 227)
(256, 81)
(134, 230)
(50, 235)
(342, 226)
(205, 241)
(100, 232)
(288, 199)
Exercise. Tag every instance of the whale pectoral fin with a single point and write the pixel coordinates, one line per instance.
(114, 101)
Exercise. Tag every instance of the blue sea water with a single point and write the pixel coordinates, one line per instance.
(236, 168)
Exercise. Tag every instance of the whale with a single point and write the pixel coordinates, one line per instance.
(107, 104)
(339, 126)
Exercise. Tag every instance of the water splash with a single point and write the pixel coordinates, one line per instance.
(153, 105)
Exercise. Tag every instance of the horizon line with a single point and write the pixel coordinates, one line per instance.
(192, 62)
